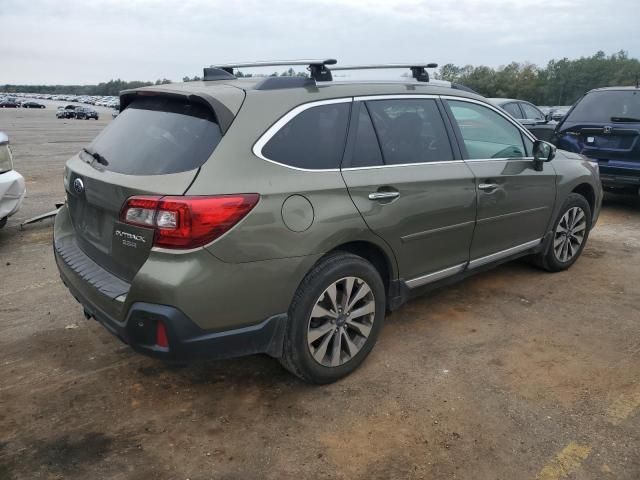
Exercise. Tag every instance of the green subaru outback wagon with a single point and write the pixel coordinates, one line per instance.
(287, 215)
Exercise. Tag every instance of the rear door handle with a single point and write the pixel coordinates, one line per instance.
(488, 187)
(383, 195)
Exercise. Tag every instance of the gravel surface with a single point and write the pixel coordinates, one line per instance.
(511, 374)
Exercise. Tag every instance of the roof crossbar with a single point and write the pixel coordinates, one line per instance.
(317, 68)
(418, 70)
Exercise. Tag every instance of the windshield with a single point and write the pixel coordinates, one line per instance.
(157, 135)
(607, 106)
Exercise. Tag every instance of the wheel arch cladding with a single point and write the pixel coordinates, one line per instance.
(374, 255)
(588, 193)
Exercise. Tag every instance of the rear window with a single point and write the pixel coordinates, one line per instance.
(313, 139)
(156, 135)
(605, 106)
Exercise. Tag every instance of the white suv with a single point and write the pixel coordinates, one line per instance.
(12, 188)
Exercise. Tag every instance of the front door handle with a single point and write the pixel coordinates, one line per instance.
(383, 195)
(488, 187)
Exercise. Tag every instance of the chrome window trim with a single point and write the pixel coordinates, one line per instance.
(506, 159)
(374, 167)
(478, 262)
(396, 96)
(282, 121)
(498, 110)
(432, 277)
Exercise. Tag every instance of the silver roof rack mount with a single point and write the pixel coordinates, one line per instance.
(317, 67)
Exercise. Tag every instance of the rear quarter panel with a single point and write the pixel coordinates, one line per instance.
(263, 235)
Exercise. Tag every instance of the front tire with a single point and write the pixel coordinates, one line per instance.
(334, 319)
(570, 233)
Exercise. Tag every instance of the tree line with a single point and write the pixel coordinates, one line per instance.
(561, 82)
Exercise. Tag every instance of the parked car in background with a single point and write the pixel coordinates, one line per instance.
(541, 125)
(558, 113)
(8, 103)
(31, 104)
(85, 113)
(12, 187)
(233, 217)
(68, 111)
(605, 125)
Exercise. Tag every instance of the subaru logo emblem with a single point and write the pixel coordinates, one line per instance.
(78, 185)
(607, 130)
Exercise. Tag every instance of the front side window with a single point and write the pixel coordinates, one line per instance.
(486, 134)
(410, 131)
(313, 139)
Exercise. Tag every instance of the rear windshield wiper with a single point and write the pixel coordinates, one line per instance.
(625, 119)
(96, 156)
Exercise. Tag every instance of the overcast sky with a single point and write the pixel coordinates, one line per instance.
(88, 41)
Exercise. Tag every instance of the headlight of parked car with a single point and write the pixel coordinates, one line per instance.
(6, 161)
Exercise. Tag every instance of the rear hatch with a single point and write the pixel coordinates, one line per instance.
(154, 147)
(605, 125)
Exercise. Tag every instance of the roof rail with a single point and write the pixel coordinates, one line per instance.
(317, 68)
(418, 70)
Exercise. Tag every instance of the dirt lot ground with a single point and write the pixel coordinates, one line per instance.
(513, 374)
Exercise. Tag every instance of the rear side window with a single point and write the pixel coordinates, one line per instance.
(513, 109)
(314, 139)
(366, 151)
(156, 135)
(608, 106)
(410, 131)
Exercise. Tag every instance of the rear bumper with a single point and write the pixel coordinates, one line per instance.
(187, 341)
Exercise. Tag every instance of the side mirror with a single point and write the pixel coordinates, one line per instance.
(543, 152)
(549, 117)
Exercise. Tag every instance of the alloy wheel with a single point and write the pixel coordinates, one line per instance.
(569, 234)
(341, 321)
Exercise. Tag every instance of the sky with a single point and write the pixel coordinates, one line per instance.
(90, 41)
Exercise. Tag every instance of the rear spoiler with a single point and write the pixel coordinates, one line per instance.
(224, 116)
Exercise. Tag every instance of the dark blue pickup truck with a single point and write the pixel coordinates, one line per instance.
(604, 125)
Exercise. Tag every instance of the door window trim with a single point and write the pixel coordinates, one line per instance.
(282, 121)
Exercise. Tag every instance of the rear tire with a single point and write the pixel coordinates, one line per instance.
(570, 234)
(334, 319)
(3, 221)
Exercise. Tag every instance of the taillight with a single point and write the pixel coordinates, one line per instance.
(162, 339)
(187, 222)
